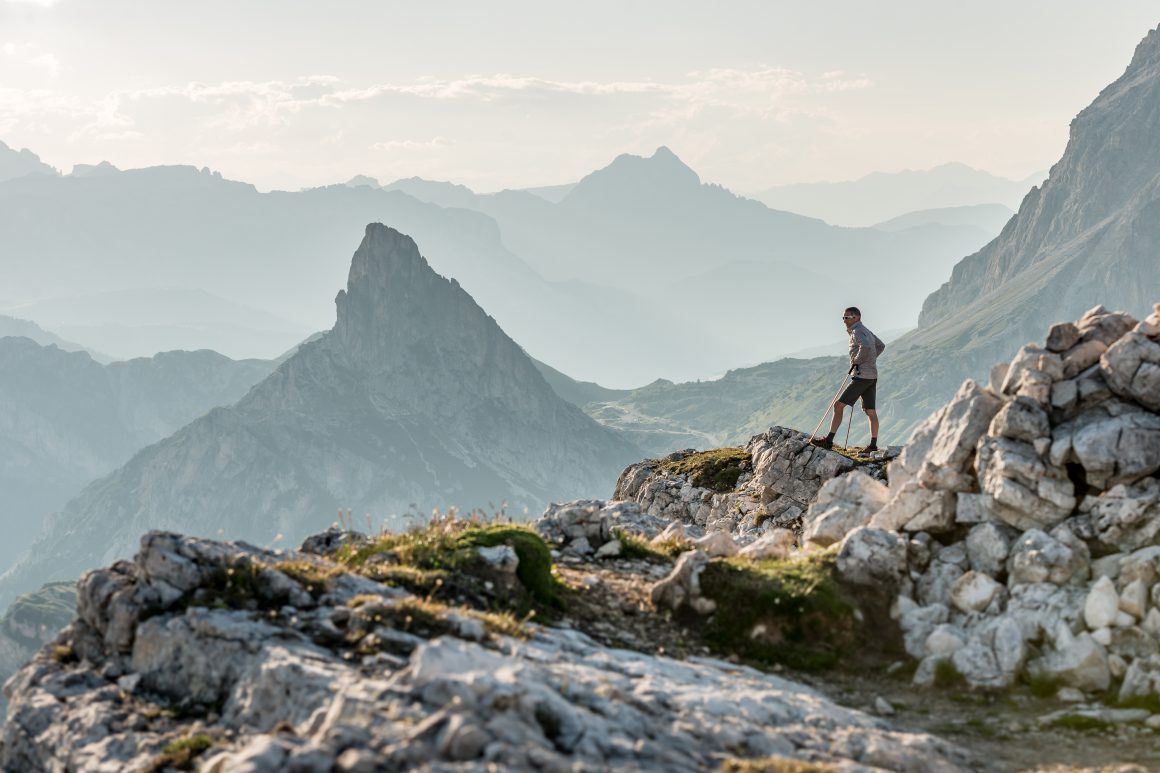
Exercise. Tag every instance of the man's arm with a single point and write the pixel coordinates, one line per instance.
(879, 346)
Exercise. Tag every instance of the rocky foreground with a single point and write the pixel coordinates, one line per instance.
(290, 661)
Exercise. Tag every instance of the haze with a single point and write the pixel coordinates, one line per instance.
(517, 94)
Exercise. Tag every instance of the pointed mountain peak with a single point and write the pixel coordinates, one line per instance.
(630, 176)
(394, 300)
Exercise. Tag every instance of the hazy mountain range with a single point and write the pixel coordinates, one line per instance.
(66, 419)
(883, 196)
(416, 399)
(638, 251)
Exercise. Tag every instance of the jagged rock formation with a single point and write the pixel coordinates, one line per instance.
(416, 399)
(783, 478)
(1023, 517)
(19, 163)
(331, 674)
(66, 420)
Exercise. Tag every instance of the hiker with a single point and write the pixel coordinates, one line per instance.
(864, 350)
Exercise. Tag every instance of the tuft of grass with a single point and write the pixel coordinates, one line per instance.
(780, 611)
(776, 765)
(716, 470)
(180, 754)
(231, 585)
(1043, 686)
(947, 677)
(1151, 702)
(535, 569)
(636, 546)
(63, 654)
(312, 575)
(440, 556)
(1080, 723)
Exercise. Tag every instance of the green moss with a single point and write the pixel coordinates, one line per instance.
(717, 470)
(535, 569)
(776, 765)
(1080, 723)
(1151, 702)
(779, 611)
(947, 677)
(438, 556)
(1042, 686)
(180, 754)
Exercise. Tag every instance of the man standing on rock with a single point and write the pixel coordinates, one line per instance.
(864, 350)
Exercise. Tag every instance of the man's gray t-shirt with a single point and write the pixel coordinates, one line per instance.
(864, 350)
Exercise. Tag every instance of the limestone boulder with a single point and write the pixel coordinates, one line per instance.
(988, 547)
(1114, 442)
(1037, 557)
(774, 544)
(872, 557)
(1127, 517)
(717, 544)
(947, 439)
(974, 592)
(994, 655)
(1028, 492)
(843, 504)
(683, 585)
(1079, 662)
(1131, 367)
(916, 509)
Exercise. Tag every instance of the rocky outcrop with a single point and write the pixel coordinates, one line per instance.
(415, 400)
(1029, 511)
(784, 477)
(166, 655)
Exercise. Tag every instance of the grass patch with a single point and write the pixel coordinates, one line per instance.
(947, 677)
(180, 754)
(312, 575)
(1043, 686)
(637, 547)
(535, 569)
(716, 470)
(776, 765)
(1081, 723)
(441, 557)
(779, 611)
(1151, 702)
(231, 585)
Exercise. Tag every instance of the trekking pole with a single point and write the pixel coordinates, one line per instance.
(831, 405)
(846, 445)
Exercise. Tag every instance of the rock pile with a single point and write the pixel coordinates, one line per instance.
(785, 477)
(1021, 520)
(274, 661)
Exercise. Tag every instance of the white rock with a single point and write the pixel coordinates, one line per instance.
(717, 544)
(502, 558)
(882, 707)
(1107, 566)
(1038, 557)
(944, 640)
(1134, 599)
(1103, 636)
(872, 557)
(988, 546)
(1117, 666)
(1151, 622)
(843, 504)
(973, 592)
(610, 549)
(1070, 695)
(1102, 605)
(774, 544)
(1082, 664)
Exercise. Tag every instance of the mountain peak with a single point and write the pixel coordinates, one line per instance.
(629, 177)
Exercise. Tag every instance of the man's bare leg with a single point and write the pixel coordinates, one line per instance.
(873, 416)
(839, 408)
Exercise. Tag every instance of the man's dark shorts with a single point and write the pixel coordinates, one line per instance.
(860, 387)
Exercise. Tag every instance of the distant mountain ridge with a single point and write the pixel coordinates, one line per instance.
(20, 163)
(881, 196)
(66, 419)
(416, 399)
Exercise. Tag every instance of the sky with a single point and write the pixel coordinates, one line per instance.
(515, 93)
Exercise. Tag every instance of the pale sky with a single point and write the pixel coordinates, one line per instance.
(514, 93)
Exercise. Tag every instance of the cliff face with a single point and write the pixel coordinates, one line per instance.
(416, 399)
(1090, 234)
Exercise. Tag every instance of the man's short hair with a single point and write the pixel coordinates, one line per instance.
(853, 310)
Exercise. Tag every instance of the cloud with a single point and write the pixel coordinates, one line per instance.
(411, 145)
(41, 3)
(31, 55)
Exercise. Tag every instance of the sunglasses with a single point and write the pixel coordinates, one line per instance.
(848, 316)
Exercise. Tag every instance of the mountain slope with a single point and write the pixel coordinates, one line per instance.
(66, 419)
(18, 163)
(416, 399)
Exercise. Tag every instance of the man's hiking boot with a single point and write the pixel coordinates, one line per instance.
(822, 442)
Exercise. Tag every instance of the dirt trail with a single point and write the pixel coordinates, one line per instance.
(1003, 731)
